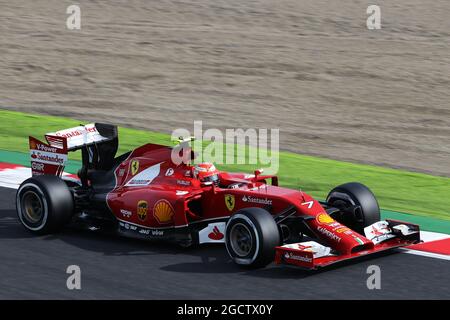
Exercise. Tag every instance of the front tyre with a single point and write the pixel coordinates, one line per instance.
(351, 195)
(251, 236)
(44, 204)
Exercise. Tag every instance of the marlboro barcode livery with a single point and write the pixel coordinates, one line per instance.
(144, 194)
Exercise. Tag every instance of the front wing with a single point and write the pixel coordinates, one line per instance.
(312, 255)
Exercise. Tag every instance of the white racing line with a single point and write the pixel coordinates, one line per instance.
(425, 254)
(427, 236)
(13, 177)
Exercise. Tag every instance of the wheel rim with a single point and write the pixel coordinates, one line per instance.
(241, 239)
(32, 207)
(356, 220)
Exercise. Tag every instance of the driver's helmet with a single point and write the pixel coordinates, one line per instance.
(206, 172)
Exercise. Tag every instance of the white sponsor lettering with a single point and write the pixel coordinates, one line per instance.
(329, 234)
(184, 182)
(125, 213)
(292, 256)
(154, 233)
(37, 166)
(257, 200)
(80, 135)
(48, 157)
(43, 147)
(157, 233)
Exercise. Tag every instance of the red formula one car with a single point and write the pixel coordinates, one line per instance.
(145, 194)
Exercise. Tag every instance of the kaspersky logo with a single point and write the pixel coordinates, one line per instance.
(329, 234)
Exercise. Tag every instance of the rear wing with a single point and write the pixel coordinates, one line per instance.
(51, 157)
(82, 136)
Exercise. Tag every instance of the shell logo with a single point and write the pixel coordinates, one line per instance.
(323, 218)
(163, 211)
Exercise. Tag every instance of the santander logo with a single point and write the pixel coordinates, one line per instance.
(216, 234)
(76, 132)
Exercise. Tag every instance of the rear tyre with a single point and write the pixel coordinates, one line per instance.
(44, 204)
(347, 196)
(251, 236)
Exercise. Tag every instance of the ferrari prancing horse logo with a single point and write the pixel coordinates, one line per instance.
(229, 201)
(134, 167)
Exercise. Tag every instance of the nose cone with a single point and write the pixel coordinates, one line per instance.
(338, 236)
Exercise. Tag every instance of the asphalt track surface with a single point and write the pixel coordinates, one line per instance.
(119, 268)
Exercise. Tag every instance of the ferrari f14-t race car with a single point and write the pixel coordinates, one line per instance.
(145, 194)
